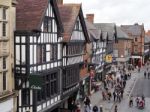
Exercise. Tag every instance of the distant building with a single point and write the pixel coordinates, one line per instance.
(95, 49)
(147, 48)
(7, 27)
(122, 47)
(108, 32)
(137, 33)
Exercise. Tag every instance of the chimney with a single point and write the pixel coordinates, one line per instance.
(136, 24)
(60, 2)
(90, 17)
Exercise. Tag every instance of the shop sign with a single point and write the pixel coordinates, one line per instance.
(35, 82)
(108, 58)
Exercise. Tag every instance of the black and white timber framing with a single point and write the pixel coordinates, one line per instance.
(73, 52)
(38, 52)
(97, 55)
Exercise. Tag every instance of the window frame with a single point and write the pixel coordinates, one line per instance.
(4, 81)
(4, 27)
(4, 16)
(4, 63)
(25, 96)
(48, 24)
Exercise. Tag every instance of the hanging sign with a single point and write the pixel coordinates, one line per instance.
(108, 58)
(35, 82)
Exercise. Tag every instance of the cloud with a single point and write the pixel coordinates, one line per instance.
(118, 11)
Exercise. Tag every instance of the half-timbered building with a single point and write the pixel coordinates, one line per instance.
(74, 38)
(109, 30)
(38, 58)
(96, 65)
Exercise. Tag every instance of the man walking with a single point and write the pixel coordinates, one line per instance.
(87, 102)
(145, 74)
(114, 95)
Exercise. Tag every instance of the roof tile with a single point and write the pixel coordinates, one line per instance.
(29, 14)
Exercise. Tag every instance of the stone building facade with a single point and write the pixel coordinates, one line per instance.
(7, 26)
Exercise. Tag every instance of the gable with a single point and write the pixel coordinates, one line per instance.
(49, 20)
(77, 33)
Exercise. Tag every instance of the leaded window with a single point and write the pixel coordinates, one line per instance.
(48, 24)
(25, 96)
(53, 84)
(71, 77)
(45, 24)
(54, 52)
(41, 53)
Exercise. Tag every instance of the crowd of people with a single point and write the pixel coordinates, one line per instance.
(112, 89)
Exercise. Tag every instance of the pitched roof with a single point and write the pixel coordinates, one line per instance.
(135, 30)
(104, 35)
(69, 14)
(94, 33)
(107, 27)
(121, 34)
(30, 14)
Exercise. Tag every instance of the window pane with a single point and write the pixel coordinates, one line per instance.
(4, 29)
(4, 13)
(4, 80)
(43, 53)
(53, 52)
(4, 63)
(49, 25)
(25, 97)
(45, 24)
(38, 95)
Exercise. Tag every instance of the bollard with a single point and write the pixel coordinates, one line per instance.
(101, 108)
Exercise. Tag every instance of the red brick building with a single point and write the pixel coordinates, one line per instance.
(137, 33)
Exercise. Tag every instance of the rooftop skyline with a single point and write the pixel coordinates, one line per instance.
(117, 11)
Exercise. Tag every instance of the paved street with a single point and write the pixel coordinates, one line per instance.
(138, 85)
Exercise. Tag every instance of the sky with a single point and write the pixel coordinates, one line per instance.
(120, 12)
